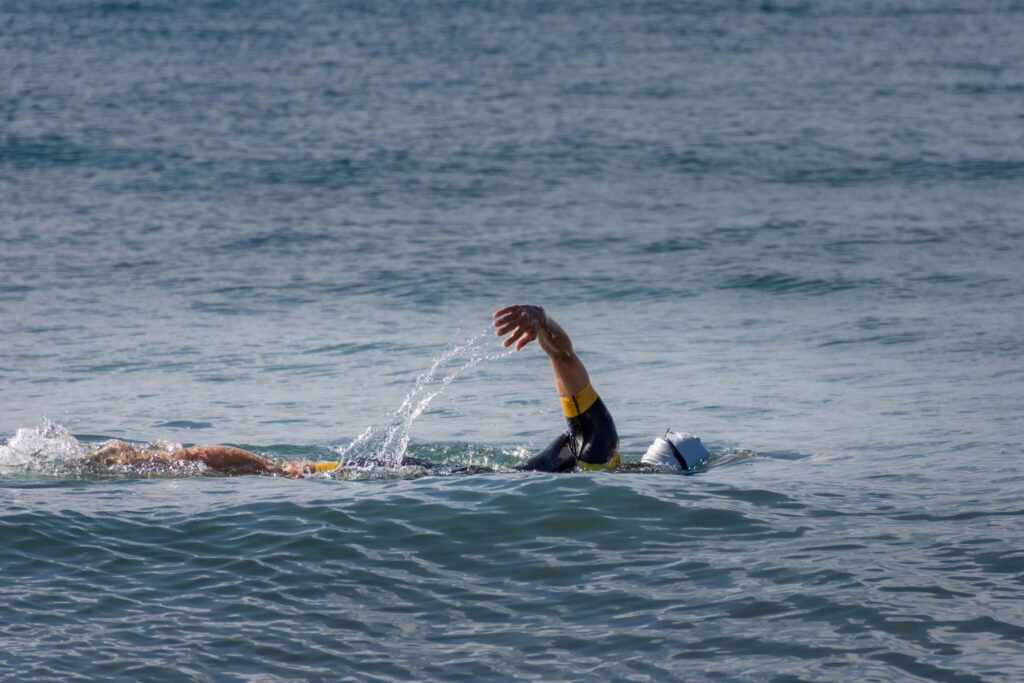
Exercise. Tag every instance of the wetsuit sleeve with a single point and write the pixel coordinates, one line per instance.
(592, 430)
(591, 442)
(601, 441)
(557, 457)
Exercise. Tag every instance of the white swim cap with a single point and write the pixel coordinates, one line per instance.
(676, 450)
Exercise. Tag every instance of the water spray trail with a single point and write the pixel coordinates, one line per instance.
(388, 444)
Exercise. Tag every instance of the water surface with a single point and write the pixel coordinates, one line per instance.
(792, 228)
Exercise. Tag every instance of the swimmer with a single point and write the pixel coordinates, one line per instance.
(590, 442)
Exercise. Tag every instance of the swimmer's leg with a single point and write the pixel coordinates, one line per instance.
(557, 457)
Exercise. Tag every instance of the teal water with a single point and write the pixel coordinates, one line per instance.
(792, 228)
(772, 569)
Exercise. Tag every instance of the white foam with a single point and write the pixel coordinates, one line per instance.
(40, 447)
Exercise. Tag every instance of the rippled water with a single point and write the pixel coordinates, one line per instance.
(792, 228)
(737, 573)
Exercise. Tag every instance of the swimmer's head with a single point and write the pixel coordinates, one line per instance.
(676, 450)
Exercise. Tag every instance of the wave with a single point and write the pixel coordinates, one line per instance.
(786, 283)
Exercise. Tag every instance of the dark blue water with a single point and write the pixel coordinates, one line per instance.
(792, 228)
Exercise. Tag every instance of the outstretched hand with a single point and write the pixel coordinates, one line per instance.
(521, 322)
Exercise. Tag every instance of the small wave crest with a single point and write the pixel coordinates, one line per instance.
(788, 283)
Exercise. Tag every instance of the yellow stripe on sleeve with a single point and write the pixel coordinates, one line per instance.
(574, 405)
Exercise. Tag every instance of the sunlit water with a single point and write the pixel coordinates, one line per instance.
(792, 228)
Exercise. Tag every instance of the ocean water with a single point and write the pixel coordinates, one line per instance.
(793, 228)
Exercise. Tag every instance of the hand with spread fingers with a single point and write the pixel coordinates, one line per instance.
(521, 322)
(525, 322)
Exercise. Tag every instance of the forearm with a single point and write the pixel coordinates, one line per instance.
(524, 323)
(570, 375)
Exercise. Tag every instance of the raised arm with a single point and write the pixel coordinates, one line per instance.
(524, 323)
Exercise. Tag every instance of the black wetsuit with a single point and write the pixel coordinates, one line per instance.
(591, 441)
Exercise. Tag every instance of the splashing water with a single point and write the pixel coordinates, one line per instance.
(386, 445)
(50, 448)
(42, 447)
